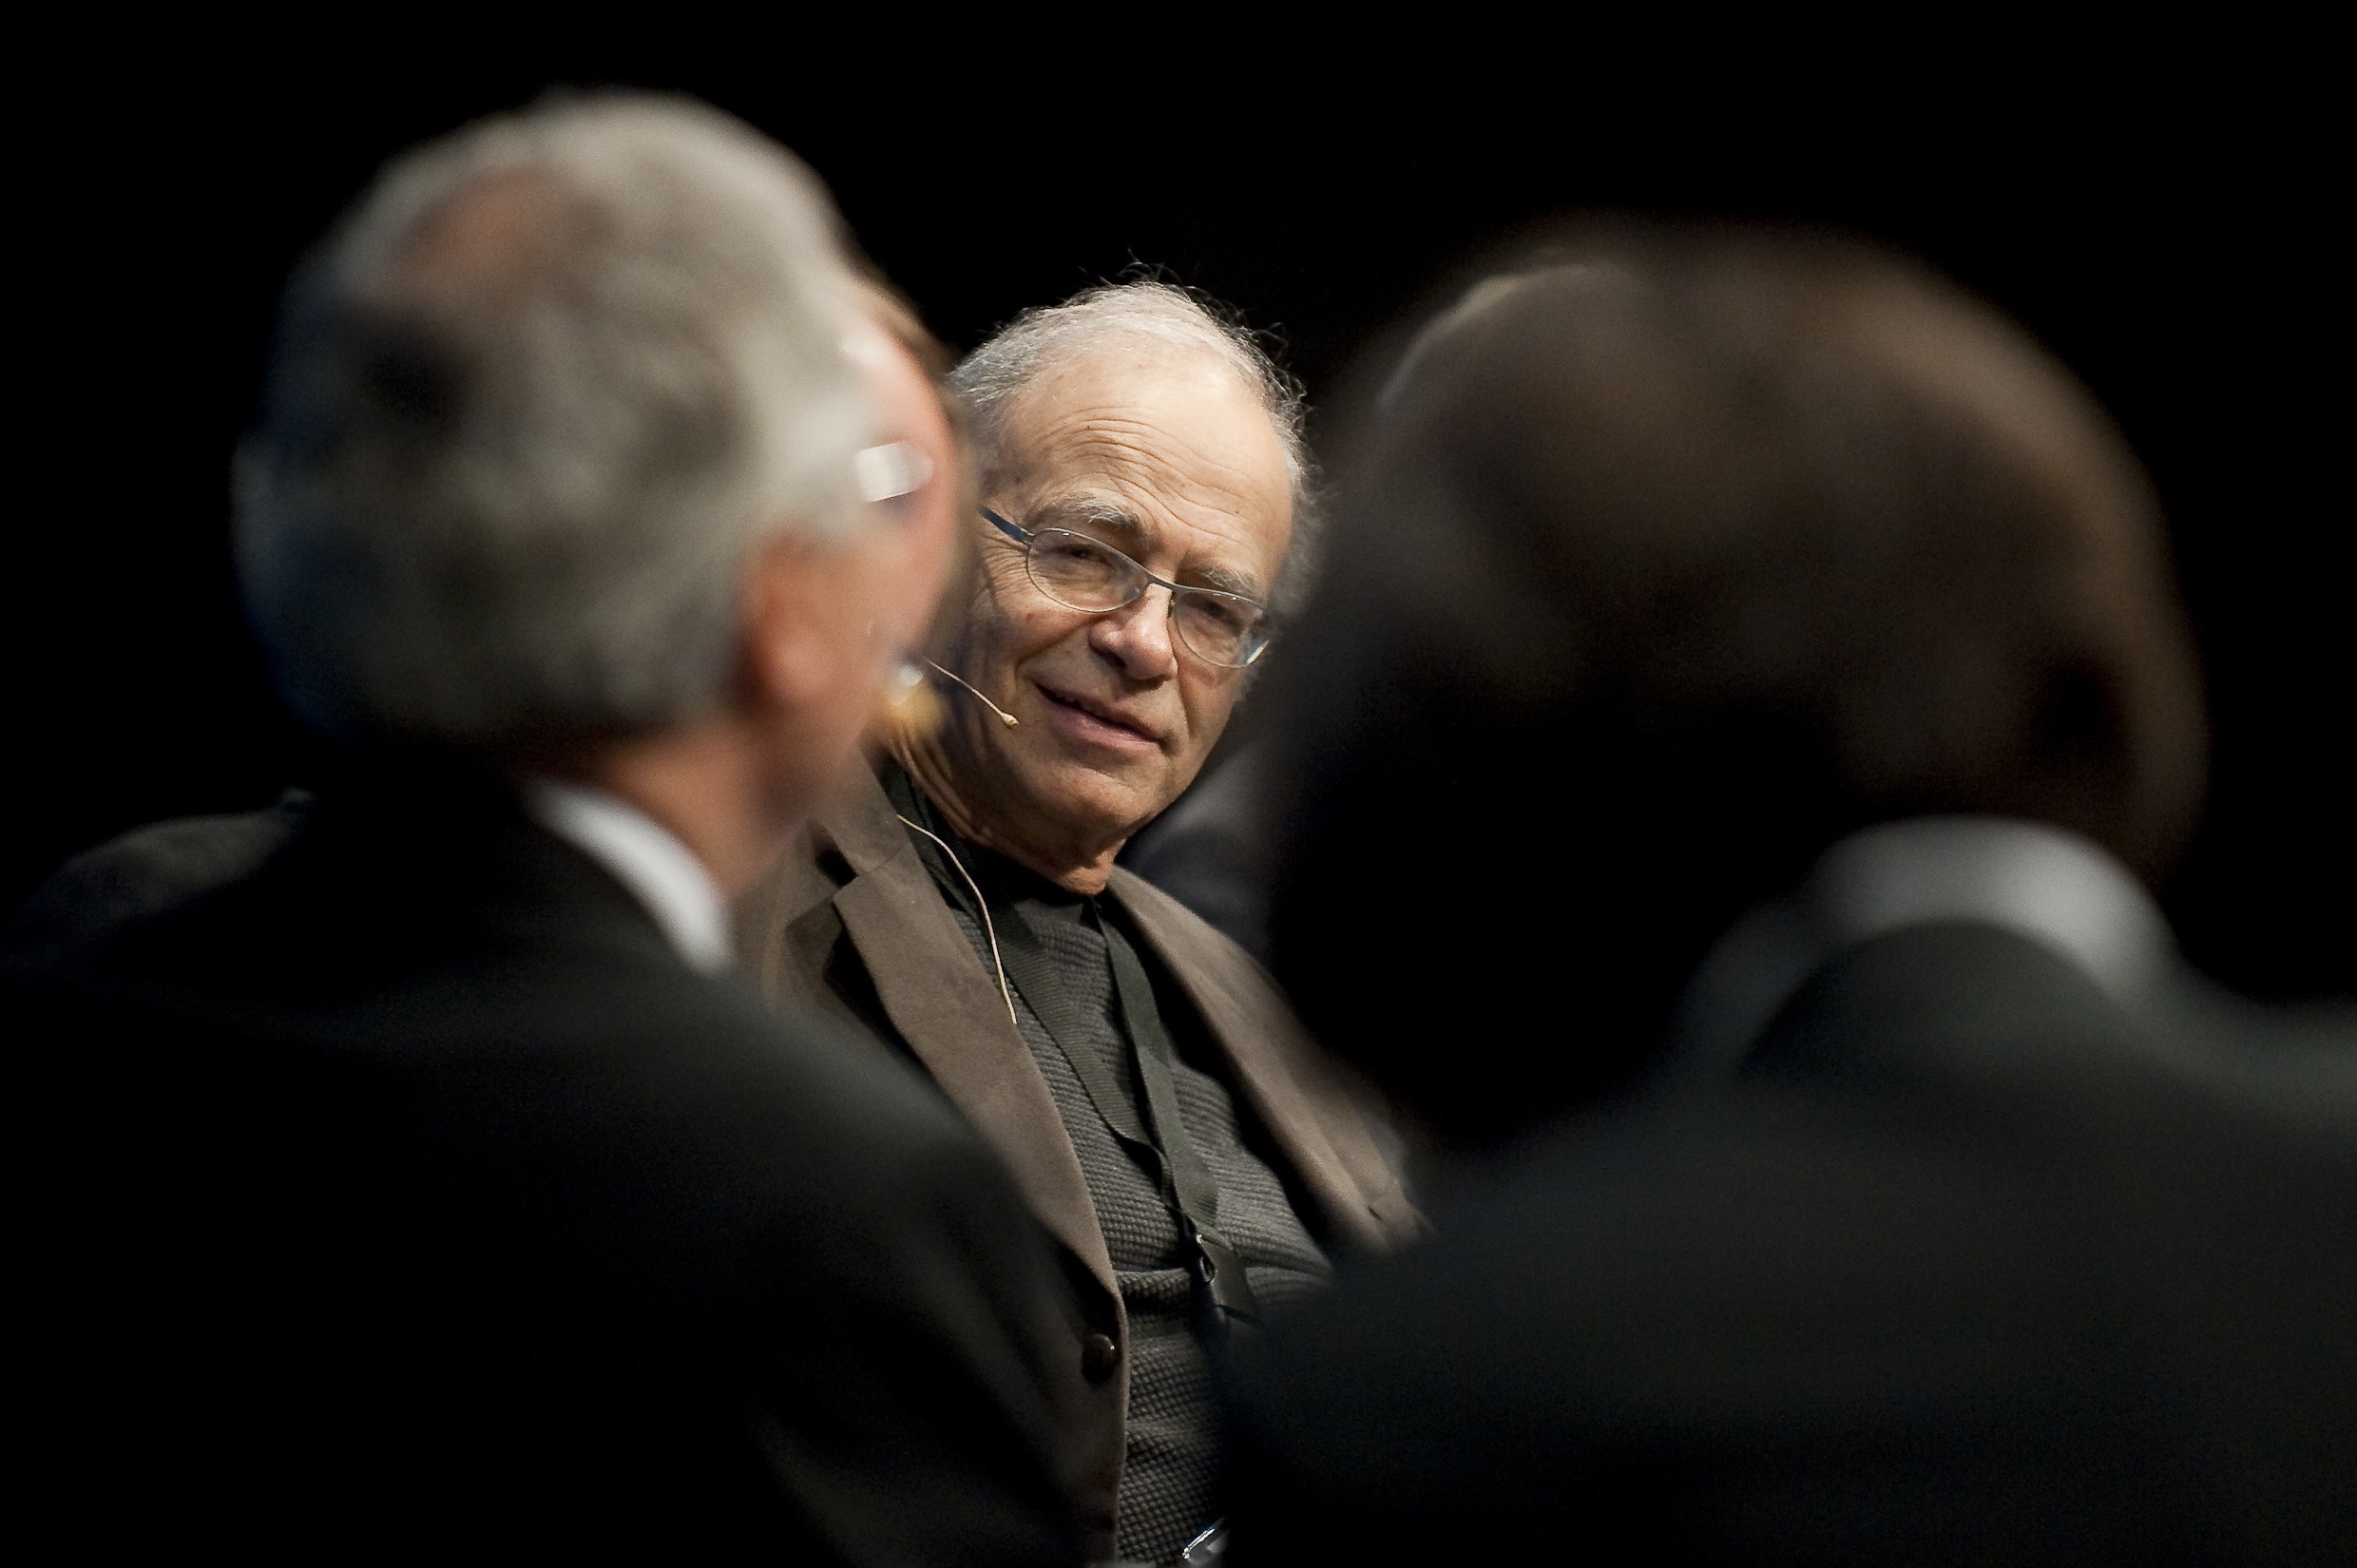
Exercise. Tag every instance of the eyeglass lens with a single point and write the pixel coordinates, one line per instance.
(1078, 572)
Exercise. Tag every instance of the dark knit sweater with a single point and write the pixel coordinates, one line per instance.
(1169, 1482)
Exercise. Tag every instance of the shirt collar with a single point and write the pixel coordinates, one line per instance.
(644, 855)
(2040, 881)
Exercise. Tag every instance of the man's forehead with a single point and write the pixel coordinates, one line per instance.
(1131, 433)
(1122, 358)
(1147, 393)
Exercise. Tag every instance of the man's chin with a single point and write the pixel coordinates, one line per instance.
(1109, 801)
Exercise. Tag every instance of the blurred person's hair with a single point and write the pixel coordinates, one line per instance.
(1670, 557)
(993, 377)
(891, 310)
(530, 405)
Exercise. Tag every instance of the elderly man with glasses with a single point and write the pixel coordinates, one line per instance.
(1142, 484)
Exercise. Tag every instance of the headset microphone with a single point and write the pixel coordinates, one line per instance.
(1005, 717)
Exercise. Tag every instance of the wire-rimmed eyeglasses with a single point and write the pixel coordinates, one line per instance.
(1087, 574)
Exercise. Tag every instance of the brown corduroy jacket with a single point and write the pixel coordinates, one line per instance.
(851, 927)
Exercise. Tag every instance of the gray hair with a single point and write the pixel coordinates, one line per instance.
(505, 480)
(992, 378)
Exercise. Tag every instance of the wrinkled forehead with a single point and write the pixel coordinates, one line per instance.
(1169, 431)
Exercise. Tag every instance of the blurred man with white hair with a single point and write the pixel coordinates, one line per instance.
(426, 1176)
(1142, 524)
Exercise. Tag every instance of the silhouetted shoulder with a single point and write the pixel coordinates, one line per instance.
(484, 1199)
(1210, 853)
(146, 872)
(1961, 1269)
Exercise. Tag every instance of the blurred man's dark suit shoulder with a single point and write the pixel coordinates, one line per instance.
(853, 926)
(2046, 1274)
(422, 1186)
(146, 872)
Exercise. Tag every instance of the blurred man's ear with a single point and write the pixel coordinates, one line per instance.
(811, 614)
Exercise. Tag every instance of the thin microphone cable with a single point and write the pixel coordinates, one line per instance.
(983, 904)
(1005, 717)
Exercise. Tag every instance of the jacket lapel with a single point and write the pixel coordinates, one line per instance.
(947, 1008)
(1306, 1111)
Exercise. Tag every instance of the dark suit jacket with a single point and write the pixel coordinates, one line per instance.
(1972, 1264)
(144, 874)
(853, 925)
(409, 1190)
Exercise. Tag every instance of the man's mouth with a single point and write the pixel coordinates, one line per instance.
(1099, 714)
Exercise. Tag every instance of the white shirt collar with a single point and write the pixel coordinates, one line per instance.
(2041, 881)
(643, 856)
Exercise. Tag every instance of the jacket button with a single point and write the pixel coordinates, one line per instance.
(1098, 1356)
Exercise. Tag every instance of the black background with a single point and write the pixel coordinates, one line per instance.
(2170, 229)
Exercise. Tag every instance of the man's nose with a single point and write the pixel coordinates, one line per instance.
(1137, 635)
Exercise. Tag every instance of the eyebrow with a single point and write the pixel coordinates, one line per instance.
(1112, 517)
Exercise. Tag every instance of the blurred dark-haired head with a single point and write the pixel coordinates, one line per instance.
(1664, 559)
